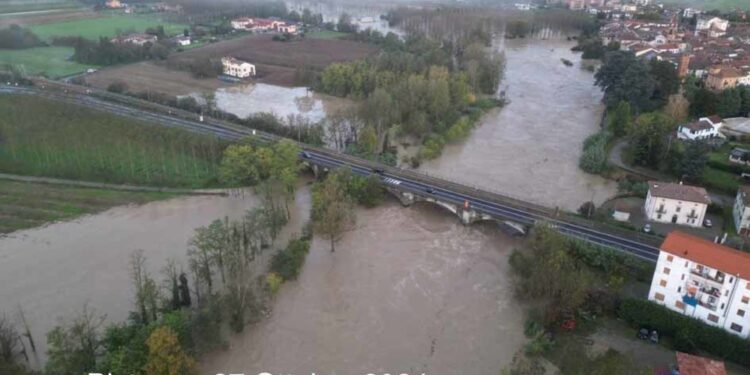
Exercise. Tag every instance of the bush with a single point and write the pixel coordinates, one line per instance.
(288, 262)
(594, 157)
(118, 87)
(274, 282)
(689, 334)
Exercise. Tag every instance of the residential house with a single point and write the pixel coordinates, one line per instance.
(704, 128)
(287, 28)
(668, 202)
(137, 39)
(183, 41)
(704, 280)
(713, 27)
(741, 210)
(237, 68)
(739, 156)
(722, 77)
(113, 4)
(242, 23)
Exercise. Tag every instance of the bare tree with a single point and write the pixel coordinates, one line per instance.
(146, 292)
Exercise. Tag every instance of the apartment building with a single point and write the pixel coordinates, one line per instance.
(676, 203)
(704, 280)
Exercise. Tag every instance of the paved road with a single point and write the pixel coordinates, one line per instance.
(494, 204)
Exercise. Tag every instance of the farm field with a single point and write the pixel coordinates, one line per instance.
(27, 205)
(18, 6)
(51, 16)
(93, 28)
(51, 61)
(147, 76)
(277, 61)
(41, 137)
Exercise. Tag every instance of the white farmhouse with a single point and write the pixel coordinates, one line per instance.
(676, 203)
(704, 128)
(242, 23)
(237, 68)
(741, 211)
(704, 280)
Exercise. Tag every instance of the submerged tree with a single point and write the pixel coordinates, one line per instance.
(333, 211)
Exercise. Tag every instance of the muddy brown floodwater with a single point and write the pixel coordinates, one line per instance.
(52, 272)
(410, 290)
(530, 148)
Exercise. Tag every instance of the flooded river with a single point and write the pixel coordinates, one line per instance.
(410, 290)
(530, 148)
(52, 272)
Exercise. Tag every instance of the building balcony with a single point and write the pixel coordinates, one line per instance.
(704, 274)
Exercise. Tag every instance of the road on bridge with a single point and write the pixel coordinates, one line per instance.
(493, 204)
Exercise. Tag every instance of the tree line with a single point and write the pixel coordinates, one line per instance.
(422, 87)
(17, 37)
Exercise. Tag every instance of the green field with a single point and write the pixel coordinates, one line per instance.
(15, 6)
(40, 137)
(52, 61)
(93, 28)
(27, 205)
(722, 5)
(326, 34)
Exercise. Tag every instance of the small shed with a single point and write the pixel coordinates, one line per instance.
(621, 213)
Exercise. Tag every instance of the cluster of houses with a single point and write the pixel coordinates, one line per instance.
(141, 39)
(713, 50)
(264, 25)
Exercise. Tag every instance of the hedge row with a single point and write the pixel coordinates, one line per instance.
(690, 335)
(727, 167)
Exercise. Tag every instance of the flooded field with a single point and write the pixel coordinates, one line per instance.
(282, 101)
(410, 290)
(530, 148)
(52, 272)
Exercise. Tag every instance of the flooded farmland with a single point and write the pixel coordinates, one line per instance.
(283, 102)
(530, 148)
(85, 262)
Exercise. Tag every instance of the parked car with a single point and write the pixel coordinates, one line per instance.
(305, 155)
(707, 223)
(647, 228)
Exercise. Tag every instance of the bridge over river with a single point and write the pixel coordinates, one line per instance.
(471, 204)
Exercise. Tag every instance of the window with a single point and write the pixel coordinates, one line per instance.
(682, 277)
(678, 209)
(747, 286)
(658, 217)
(736, 327)
(745, 299)
(679, 305)
(659, 297)
(722, 306)
(679, 289)
(726, 292)
(741, 312)
(666, 270)
(713, 318)
(731, 280)
(670, 258)
(663, 283)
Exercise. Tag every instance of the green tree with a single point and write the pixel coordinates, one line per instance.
(693, 161)
(666, 78)
(238, 166)
(367, 140)
(648, 138)
(165, 354)
(74, 348)
(730, 103)
(619, 120)
(333, 211)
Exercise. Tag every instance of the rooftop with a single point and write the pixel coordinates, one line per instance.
(698, 125)
(707, 253)
(678, 192)
(694, 365)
